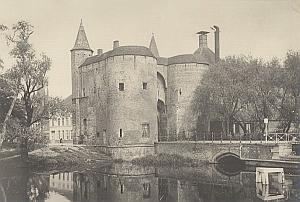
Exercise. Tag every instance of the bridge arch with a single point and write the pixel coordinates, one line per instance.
(225, 157)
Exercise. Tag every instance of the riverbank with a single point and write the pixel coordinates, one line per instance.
(60, 157)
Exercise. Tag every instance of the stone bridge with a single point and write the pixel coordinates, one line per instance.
(216, 151)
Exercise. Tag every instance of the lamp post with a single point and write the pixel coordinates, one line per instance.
(266, 128)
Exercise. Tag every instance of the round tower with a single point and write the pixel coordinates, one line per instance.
(132, 101)
(184, 75)
(79, 53)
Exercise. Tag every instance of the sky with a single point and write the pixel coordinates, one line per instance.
(261, 28)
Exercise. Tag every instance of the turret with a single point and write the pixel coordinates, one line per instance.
(153, 47)
(79, 53)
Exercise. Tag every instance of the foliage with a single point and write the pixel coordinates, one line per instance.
(241, 89)
(26, 82)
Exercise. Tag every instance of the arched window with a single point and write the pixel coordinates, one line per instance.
(58, 122)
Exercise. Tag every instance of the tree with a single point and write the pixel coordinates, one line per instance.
(28, 75)
(240, 90)
(263, 90)
(289, 105)
(221, 93)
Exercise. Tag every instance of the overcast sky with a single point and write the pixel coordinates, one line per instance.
(262, 28)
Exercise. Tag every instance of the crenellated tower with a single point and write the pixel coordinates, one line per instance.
(79, 53)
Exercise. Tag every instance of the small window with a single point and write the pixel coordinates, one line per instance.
(145, 130)
(121, 86)
(83, 92)
(122, 188)
(98, 134)
(52, 122)
(63, 121)
(58, 122)
(121, 133)
(145, 86)
(146, 190)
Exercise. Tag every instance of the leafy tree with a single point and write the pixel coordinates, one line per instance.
(29, 82)
(221, 93)
(262, 91)
(239, 90)
(289, 99)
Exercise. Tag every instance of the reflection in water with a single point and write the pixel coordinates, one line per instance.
(267, 192)
(125, 182)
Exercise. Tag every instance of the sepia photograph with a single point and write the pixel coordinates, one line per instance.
(149, 100)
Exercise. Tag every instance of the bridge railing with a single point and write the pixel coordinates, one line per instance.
(283, 137)
(233, 138)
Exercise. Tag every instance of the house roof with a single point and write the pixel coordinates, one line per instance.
(122, 50)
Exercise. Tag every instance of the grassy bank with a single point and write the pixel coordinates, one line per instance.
(171, 160)
(61, 157)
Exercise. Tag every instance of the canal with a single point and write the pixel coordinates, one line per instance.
(127, 182)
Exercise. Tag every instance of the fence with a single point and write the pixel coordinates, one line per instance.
(232, 138)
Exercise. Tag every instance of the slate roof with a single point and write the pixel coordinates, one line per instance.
(205, 55)
(202, 55)
(162, 61)
(68, 100)
(122, 50)
(81, 42)
(153, 47)
(182, 59)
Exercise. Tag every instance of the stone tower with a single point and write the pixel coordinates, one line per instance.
(79, 53)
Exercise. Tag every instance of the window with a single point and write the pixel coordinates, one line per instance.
(63, 121)
(122, 188)
(121, 133)
(83, 92)
(145, 86)
(52, 122)
(98, 134)
(121, 86)
(53, 135)
(146, 190)
(58, 122)
(63, 134)
(67, 134)
(145, 130)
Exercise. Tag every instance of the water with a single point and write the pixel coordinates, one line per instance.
(126, 182)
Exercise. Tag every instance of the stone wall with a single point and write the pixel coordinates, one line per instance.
(210, 151)
(183, 79)
(109, 111)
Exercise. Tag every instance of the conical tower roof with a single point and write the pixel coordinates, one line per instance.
(81, 42)
(153, 47)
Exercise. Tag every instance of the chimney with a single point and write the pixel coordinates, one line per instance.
(116, 44)
(99, 51)
(202, 38)
(217, 43)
